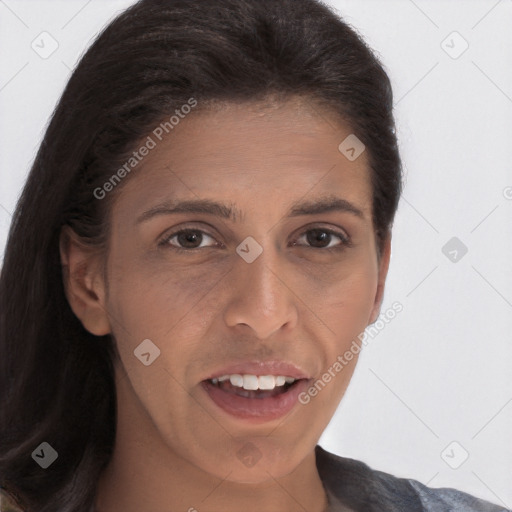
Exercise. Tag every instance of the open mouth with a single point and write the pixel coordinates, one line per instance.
(255, 398)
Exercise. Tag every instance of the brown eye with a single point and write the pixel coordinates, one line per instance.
(186, 239)
(322, 238)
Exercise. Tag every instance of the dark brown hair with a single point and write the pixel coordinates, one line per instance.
(56, 379)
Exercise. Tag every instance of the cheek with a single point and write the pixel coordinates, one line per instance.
(166, 307)
(155, 295)
(354, 296)
(346, 307)
(345, 293)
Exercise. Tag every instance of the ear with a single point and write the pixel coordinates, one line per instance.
(383, 272)
(84, 282)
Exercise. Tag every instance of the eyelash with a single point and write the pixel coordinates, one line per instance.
(345, 241)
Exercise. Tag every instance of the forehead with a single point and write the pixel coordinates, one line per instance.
(261, 154)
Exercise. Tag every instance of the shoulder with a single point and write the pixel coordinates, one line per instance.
(452, 499)
(7, 504)
(356, 485)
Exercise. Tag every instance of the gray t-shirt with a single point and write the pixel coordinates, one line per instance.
(351, 485)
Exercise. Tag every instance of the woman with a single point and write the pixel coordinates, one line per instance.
(205, 229)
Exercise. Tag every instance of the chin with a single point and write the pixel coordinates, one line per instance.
(265, 469)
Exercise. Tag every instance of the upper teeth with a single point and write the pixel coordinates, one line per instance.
(252, 382)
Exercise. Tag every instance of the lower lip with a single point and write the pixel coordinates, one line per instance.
(257, 410)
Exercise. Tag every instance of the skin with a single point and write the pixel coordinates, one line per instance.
(175, 449)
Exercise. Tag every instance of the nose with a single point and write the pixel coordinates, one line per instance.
(261, 297)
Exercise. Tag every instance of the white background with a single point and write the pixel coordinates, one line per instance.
(440, 371)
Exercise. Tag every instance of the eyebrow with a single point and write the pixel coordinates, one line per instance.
(231, 212)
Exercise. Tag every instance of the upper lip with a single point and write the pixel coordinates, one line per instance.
(273, 367)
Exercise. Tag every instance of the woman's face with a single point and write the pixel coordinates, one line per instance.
(257, 287)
